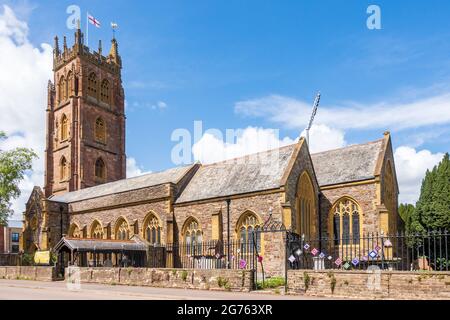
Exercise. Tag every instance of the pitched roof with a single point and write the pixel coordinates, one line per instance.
(147, 180)
(256, 172)
(352, 163)
(89, 245)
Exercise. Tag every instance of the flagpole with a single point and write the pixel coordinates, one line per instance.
(87, 29)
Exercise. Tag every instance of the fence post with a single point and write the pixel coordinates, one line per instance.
(382, 250)
(286, 265)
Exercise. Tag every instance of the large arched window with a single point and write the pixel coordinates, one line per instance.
(64, 128)
(63, 169)
(62, 89)
(104, 91)
(346, 221)
(74, 231)
(152, 229)
(100, 130)
(247, 227)
(306, 206)
(122, 231)
(192, 236)
(100, 170)
(92, 85)
(96, 230)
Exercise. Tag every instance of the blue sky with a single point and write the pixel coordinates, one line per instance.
(240, 64)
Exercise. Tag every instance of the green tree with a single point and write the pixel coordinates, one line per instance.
(406, 212)
(433, 208)
(13, 166)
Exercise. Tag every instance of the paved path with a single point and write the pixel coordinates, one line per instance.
(38, 290)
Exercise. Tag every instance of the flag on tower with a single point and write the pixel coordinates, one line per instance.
(93, 21)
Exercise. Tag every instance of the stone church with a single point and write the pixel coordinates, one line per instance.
(342, 192)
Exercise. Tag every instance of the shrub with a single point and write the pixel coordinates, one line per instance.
(184, 275)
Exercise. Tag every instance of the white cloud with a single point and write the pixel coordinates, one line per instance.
(411, 166)
(133, 169)
(25, 71)
(212, 148)
(295, 113)
(322, 138)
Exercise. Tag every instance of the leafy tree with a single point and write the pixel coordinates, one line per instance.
(433, 208)
(406, 212)
(13, 165)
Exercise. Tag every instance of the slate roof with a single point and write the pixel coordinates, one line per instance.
(147, 180)
(88, 245)
(256, 172)
(352, 163)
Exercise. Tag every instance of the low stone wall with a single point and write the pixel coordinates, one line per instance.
(366, 285)
(218, 279)
(28, 273)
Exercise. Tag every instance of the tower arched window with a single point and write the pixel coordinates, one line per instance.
(64, 128)
(63, 169)
(62, 89)
(122, 229)
(152, 229)
(346, 221)
(92, 85)
(248, 225)
(100, 170)
(100, 130)
(104, 91)
(69, 84)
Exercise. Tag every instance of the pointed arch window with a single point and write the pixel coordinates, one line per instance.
(152, 229)
(193, 236)
(74, 231)
(100, 170)
(249, 238)
(64, 128)
(104, 91)
(92, 85)
(306, 204)
(100, 130)
(346, 222)
(96, 230)
(63, 169)
(122, 230)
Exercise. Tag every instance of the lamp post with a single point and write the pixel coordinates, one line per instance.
(61, 209)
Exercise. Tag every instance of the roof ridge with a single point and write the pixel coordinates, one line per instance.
(348, 147)
(249, 155)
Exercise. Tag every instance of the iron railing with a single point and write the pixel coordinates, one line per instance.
(401, 251)
(211, 254)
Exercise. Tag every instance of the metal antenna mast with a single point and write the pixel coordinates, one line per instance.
(315, 106)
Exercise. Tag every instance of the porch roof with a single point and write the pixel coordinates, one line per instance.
(96, 245)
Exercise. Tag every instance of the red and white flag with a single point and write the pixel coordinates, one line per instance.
(93, 21)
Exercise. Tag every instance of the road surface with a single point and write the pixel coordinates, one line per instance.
(58, 290)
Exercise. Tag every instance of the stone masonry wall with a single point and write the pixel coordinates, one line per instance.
(365, 195)
(28, 273)
(364, 285)
(227, 280)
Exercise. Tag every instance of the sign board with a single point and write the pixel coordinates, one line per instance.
(42, 257)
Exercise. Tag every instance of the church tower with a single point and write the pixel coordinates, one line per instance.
(85, 139)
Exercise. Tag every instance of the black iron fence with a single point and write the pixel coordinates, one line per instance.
(10, 259)
(212, 254)
(402, 251)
